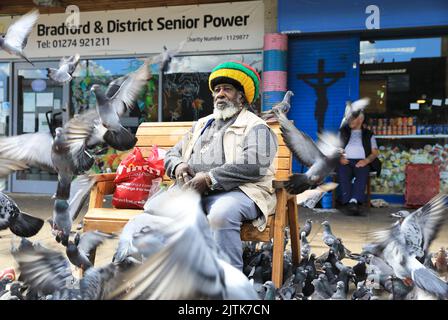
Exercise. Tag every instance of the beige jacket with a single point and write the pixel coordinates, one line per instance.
(261, 192)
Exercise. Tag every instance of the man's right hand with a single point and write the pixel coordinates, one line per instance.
(344, 161)
(183, 173)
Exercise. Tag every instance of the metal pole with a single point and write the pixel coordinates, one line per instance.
(160, 99)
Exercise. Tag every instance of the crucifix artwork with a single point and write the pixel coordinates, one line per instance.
(318, 82)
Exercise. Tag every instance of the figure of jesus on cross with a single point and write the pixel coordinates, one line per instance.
(320, 87)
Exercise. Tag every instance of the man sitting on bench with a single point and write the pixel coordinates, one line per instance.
(361, 153)
(228, 158)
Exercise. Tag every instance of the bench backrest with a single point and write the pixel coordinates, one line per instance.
(166, 134)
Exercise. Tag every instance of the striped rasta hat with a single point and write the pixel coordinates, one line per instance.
(240, 75)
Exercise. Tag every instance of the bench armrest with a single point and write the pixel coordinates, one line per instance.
(104, 185)
(99, 177)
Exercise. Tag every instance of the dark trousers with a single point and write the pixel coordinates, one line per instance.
(357, 189)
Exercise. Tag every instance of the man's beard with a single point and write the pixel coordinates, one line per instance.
(225, 112)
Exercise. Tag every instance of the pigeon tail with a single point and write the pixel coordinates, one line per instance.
(430, 282)
(24, 225)
(297, 183)
(122, 140)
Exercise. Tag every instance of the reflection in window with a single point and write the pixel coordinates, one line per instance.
(186, 95)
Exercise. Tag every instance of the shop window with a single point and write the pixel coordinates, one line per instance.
(406, 80)
(186, 95)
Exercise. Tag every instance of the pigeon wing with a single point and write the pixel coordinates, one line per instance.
(80, 190)
(92, 239)
(18, 32)
(301, 145)
(329, 144)
(44, 269)
(430, 218)
(32, 149)
(131, 88)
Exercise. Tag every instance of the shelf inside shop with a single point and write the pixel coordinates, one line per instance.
(413, 136)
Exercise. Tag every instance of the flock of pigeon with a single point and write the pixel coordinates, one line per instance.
(168, 252)
(396, 266)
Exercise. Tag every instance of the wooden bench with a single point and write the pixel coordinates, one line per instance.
(167, 134)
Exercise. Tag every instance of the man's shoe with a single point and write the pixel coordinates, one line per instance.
(353, 208)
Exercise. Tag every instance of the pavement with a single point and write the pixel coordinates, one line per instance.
(354, 230)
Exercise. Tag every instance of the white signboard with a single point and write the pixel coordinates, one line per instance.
(210, 27)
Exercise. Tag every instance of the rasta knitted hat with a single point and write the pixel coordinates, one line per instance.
(240, 75)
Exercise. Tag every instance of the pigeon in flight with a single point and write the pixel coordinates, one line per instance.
(79, 250)
(66, 211)
(115, 101)
(284, 107)
(352, 110)
(190, 265)
(17, 34)
(66, 68)
(165, 57)
(49, 272)
(321, 159)
(20, 223)
(405, 246)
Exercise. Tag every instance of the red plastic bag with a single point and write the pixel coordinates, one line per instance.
(137, 178)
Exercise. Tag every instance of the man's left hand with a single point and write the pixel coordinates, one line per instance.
(362, 163)
(198, 183)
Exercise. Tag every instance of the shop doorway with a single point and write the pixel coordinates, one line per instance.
(39, 104)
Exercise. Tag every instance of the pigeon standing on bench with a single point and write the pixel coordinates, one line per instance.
(352, 110)
(16, 37)
(321, 158)
(284, 106)
(19, 222)
(66, 68)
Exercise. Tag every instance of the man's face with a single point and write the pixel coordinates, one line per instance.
(227, 101)
(223, 94)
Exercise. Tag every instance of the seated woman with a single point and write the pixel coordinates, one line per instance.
(361, 152)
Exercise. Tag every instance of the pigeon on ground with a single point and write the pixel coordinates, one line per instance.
(360, 270)
(405, 246)
(271, 291)
(352, 110)
(305, 248)
(328, 237)
(321, 159)
(361, 292)
(340, 293)
(284, 107)
(66, 68)
(78, 251)
(20, 223)
(110, 108)
(307, 227)
(16, 37)
(165, 57)
(190, 265)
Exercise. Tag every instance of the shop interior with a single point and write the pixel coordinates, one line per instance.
(406, 81)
